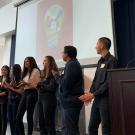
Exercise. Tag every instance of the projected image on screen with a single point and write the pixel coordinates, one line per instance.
(54, 27)
(54, 19)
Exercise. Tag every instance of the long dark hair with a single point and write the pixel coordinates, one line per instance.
(8, 74)
(17, 72)
(52, 66)
(33, 65)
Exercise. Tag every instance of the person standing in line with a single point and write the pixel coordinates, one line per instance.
(99, 90)
(30, 78)
(13, 97)
(47, 102)
(71, 87)
(5, 71)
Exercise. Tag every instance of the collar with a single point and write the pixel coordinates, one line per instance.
(71, 61)
(106, 57)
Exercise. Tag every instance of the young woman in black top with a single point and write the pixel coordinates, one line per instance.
(5, 71)
(14, 97)
(47, 99)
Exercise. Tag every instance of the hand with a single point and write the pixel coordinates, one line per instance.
(20, 85)
(87, 97)
(7, 86)
(23, 83)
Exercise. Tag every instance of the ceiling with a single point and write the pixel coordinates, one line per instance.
(4, 2)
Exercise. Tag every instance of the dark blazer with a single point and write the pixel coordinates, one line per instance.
(71, 85)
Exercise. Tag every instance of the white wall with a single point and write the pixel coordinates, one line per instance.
(7, 19)
(7, 27)
(5, 52)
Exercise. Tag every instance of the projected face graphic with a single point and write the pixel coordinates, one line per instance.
(53, 20)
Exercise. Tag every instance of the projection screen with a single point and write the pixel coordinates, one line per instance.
(45, 26)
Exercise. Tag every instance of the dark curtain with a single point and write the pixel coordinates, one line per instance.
(124, 17)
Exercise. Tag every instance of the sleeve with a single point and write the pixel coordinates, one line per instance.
(94, 80)
(93, 84)
(51, 87)
(35, 77)
(104, 86)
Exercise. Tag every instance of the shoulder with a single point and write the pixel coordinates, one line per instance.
(36, 71)
(74, 66)
(73, 63)
(113, 58)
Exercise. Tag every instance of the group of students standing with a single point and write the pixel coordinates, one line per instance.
(21, 90)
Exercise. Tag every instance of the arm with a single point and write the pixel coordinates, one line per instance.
(93, 84)
(17, 90)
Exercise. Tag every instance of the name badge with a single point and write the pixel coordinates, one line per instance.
(102, 65)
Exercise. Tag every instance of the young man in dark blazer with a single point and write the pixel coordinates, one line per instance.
(71, 87)
(99, 89)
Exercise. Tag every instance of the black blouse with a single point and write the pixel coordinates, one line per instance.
(47, 87)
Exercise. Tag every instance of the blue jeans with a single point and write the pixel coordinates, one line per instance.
(12, 112)
(70, 121)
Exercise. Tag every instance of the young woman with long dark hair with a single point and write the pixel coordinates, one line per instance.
(47, 99)
(30, 78)
(5, 71)
(14, 96)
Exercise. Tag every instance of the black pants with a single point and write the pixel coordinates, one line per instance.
(47, 109)
(70, 121)
(100, 114)
(3, 118)
(27, 103)
(58, 116)
(12, 112)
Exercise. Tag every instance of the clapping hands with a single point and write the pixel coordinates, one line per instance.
(7, 86)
